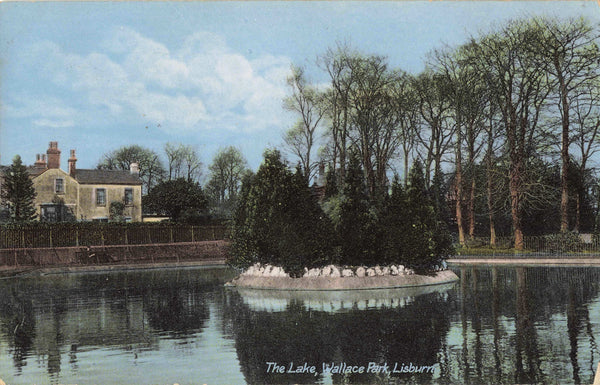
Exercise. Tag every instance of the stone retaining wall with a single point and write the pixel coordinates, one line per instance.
(106, 255)
(343, 283)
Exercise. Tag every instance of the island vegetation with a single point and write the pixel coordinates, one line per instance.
(280, 221)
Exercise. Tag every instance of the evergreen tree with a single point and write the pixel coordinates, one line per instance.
(279, 222)
(331, 188)
(395, 226)
(427, 241)
(18, 192)
(244, 248)
(355, 220)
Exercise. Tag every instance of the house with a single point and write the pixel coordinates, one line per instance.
(83, 194)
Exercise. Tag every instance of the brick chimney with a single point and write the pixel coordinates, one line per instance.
(53, 155)
(72, 161)
(40, 163)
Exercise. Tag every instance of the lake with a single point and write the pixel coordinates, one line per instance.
(497, 325)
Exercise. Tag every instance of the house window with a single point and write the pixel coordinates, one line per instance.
(100, 197)
(128, 196)
(59, 186)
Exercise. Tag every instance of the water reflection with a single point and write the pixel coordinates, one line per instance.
(401, 326)
(124, 311)
(525, 325)
(497, 325)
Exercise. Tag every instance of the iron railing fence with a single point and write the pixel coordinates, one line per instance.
(87, 234)
(568, 244)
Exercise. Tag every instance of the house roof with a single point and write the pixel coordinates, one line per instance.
(31, 170)
(95, 176)
(92, 176)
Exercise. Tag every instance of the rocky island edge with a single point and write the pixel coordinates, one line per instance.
(332, 277)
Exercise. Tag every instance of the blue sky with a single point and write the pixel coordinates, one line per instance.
(96, 76)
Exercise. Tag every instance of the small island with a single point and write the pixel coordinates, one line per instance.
(289, 236)
(332, 277)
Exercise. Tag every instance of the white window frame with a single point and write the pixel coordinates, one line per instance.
(62, 184)
(98, 203)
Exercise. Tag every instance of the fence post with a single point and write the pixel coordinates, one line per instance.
(50, 232)
(171, 233)
(126, 241)
(76, 236)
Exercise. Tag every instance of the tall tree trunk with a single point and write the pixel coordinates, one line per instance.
(564, 154)
(577, 212)
(515, 203)
(472, 209)
(458, 189)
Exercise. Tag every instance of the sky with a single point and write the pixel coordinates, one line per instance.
(96, 76)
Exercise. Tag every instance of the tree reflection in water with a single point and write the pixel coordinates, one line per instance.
(411, 333)
(73, 313)
(524, 325)
(499, 325)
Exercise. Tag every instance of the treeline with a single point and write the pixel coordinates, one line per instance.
(173, 187)
(280, 221)
(505, 126)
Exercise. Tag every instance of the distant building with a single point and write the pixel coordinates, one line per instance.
(319, 187)
(80, 194)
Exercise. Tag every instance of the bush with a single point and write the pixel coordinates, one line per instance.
(277, 221)
(563, 242)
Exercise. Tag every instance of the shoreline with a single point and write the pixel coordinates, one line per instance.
(573, 261)
(11, 271)
(16, 271)
(343, 283)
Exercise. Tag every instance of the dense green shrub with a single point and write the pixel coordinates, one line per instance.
(278, 221)
(427, 240)
(357, 224)
(563, 242)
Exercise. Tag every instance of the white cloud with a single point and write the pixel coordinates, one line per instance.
(201, 84)
(45, 111)
(53, 123)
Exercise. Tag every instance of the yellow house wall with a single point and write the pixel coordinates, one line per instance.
(89, 210)
(44, 188)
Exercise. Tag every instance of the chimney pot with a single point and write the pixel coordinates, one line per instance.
(72, 162)
(53, 155)
(39, 163)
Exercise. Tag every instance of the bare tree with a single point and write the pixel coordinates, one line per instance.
(586, 128)
(183, 162)
(363, 111)
(226, 172)
(409, 120)
(570, 49)
(151, 168)
(436, 109)
(337, 104)
(305, 100)
(518, 83)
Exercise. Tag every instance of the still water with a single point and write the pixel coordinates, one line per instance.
(497, 325)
